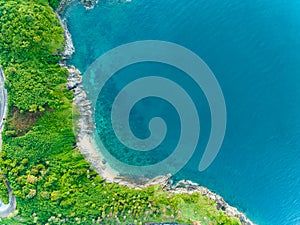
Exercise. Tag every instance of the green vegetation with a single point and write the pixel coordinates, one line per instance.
(51, 180)
(29, 43)
(3, 192)
(54, 3)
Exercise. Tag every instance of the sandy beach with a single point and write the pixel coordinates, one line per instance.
(88, 147)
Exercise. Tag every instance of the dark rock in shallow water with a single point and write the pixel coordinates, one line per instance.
(88, 4)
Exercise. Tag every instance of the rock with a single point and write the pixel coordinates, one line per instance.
(164, 181)
(69, 47)
(85, 103)
(62, 5)
(89, 4)
(74, 77)
(125, 181)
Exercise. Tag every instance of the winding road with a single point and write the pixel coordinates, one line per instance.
(5, 209)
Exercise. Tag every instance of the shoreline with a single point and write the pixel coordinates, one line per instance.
(92, 154)
(85, 124)
(85, 140)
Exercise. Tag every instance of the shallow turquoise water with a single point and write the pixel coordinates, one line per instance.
(253, 48)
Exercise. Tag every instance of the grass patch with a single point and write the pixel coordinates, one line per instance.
(19, 123)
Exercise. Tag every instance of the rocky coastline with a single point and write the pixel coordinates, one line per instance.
(88, 148)
(186, 186)
(88, 4)
(84, 125)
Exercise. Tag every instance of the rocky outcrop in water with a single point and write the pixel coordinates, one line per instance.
(88, 4)
(62, 5)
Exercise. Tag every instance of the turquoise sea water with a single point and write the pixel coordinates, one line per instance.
(253, 48)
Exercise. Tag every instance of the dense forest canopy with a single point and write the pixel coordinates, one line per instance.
(29, 45)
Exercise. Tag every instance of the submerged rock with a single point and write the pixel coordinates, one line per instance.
(89, 4)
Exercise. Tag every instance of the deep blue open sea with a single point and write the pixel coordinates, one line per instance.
(253, 48)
